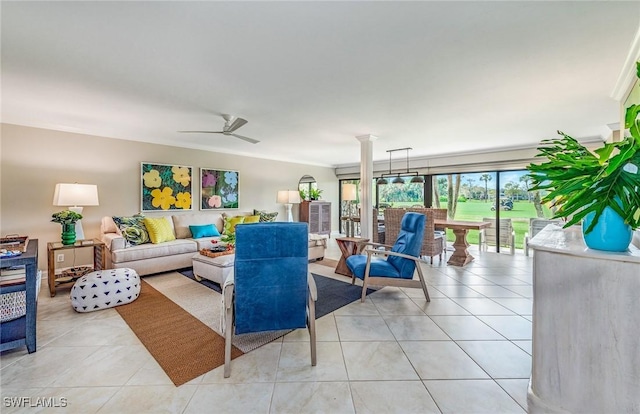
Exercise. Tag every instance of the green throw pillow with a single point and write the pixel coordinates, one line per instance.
(133, 229)
(230, 223)
(265, 217)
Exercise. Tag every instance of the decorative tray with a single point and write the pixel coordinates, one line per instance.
(14, 242)
(209, 253)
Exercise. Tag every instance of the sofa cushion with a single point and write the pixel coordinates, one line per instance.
(204, 230)
(251, 219)
(160, 229)
(132, 229)
(150, 251)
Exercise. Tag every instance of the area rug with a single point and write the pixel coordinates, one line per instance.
(327, 262)
(184, 347)
(332, 295)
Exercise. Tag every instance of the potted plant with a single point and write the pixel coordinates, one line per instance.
(601, 188)
(67, 219)
(314, 194)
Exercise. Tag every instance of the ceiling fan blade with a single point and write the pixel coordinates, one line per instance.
(202, 132)
(251, 140)
(237, 123)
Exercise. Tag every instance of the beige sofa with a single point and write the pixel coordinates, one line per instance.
(149, 258)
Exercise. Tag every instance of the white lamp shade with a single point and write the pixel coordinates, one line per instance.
(288, 197)
(75, 195)
(349, 192)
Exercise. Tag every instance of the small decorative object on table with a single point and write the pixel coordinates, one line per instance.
(218, 249)
(67, 219)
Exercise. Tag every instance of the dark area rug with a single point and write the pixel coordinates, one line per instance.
(332, 294)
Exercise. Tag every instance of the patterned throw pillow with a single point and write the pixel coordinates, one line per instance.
(159, 229)
(266, 217)
(229, 227)
(132, 229)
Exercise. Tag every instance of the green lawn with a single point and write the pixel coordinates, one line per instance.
(477, 210)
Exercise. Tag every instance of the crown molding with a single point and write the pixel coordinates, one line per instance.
(628, 73)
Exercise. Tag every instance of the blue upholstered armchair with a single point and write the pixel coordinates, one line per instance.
(398, 265)
(271, 288)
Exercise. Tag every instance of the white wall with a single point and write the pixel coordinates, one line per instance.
(33, 160)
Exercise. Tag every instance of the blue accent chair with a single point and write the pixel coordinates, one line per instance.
(398, 265)
(271, 288)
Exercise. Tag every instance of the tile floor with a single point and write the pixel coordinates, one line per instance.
(466, 351)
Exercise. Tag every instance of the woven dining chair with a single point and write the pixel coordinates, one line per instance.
(434, 242)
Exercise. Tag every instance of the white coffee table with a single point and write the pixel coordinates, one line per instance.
(216, 269)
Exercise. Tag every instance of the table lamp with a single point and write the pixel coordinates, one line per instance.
(288, 198)
(349, 194)
(75, 196)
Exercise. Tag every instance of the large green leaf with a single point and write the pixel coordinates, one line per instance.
(580, 182)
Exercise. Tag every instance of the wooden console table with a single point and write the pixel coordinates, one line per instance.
(99, 252)
(22, 331)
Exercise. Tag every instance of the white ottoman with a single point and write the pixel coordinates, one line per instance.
(105, 289)
(216, 269)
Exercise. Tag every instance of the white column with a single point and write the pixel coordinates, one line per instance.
(366, 192)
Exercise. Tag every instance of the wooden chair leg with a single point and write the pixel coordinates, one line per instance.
(423, 283)
(311, 325)
(365, 280)
(228, 334)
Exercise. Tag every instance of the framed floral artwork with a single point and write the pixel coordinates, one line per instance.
(166, 187)
(218, 189)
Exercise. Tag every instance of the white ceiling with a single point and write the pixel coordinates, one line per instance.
(441, 77)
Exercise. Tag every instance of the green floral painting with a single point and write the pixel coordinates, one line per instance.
(166, 187)
(218, 189)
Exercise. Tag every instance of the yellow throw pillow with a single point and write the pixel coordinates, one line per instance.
(251, 219)
(230, 224)
(159, 229)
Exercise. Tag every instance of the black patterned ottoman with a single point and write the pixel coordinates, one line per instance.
(105, 289)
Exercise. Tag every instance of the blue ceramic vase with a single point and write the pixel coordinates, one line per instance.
(610, 232)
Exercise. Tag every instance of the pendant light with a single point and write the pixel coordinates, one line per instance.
(398, 180)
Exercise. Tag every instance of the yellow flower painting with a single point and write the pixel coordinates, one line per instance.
(166, 187)
(163, 198)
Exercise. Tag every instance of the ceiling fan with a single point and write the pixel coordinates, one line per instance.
(231, 124)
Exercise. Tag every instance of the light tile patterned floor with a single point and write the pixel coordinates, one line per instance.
(466, 351)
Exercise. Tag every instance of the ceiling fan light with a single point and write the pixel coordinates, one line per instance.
(398, 181)
(382, 181)
(417, 180)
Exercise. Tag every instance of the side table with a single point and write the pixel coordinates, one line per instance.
(99, 251)
(348, 246)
